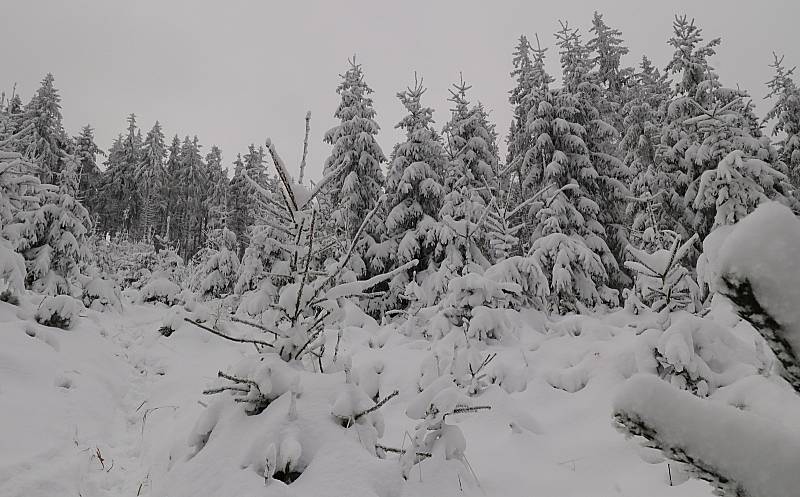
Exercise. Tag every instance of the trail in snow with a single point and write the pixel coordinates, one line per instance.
(84, 409)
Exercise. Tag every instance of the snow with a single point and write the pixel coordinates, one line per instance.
(59, 311)
(113, 383)
(726, 438)
(762, 250)
(161, 290)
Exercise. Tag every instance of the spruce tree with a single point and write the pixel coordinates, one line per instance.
(786, 113)
(43, 138)
(193, 177)
(86, 151)
(238, 205)
(705, 122)
(608, 49)
(642, 116)
(216, 203)
(173, 189)
(604, 176)
(48, 228)
(120, 206)
(472, 165)
(151, 177)
(413, 186)
(531, 80)
(568, 240)
(356, 157)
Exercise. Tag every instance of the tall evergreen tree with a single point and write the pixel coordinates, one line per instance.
(216, 203)
(786, 113)
(48, 228)
(86, 151)
(413, 186)
(151, 178)
(356, 157)
(121, 204)
(705, 122)
(608, 49)
(472, 166)
(193, 177)
(531, 80)
(173, 189)
(607, 186)
(43, 138)
(238, 204)
(642, 118)
(568, 241)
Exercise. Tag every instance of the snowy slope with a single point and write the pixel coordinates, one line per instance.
(113, 387)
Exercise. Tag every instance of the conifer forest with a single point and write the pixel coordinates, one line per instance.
(600, 297)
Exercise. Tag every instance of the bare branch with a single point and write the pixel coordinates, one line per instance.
(232, 339)
(377, 406)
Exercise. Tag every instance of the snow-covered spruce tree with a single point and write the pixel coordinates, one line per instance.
(17, 185)
(568, 240)
(705, 122)
(151, 178)
(737, 186)
(86, 151)
(216, 203)
(120, 207)
(263, 266)
(191, 218)
(531, 79)
(608, 49)
(10, 118)
(49, 230)
(674, 172)
(515, 183)
(173, 187)
(608, 189)
(414, 188)
(215, 275)
(295, 347)
(642, 117)
(42, 138)
(354, 165)
(717, 441)
(661, 282)
(472, 162)
(238, 203)
(786, 113)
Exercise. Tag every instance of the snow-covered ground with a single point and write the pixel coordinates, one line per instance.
(109, 407)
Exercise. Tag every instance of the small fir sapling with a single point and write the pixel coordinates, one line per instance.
(661, 282)
(433, 436)
(216, 274)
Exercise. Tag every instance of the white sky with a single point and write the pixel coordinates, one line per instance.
(234, 72)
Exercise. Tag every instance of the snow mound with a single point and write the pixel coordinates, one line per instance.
(101, 294)
(160, 290)
(59, 311)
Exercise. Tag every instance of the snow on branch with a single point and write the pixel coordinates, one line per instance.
(720, 442)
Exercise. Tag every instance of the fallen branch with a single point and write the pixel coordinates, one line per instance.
(227, 337)
(254, 325)
(465, 410)
(401, 451)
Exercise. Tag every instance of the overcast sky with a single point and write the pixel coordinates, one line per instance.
(235, 72)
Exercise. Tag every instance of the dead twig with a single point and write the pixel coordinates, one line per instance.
(227, 337)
